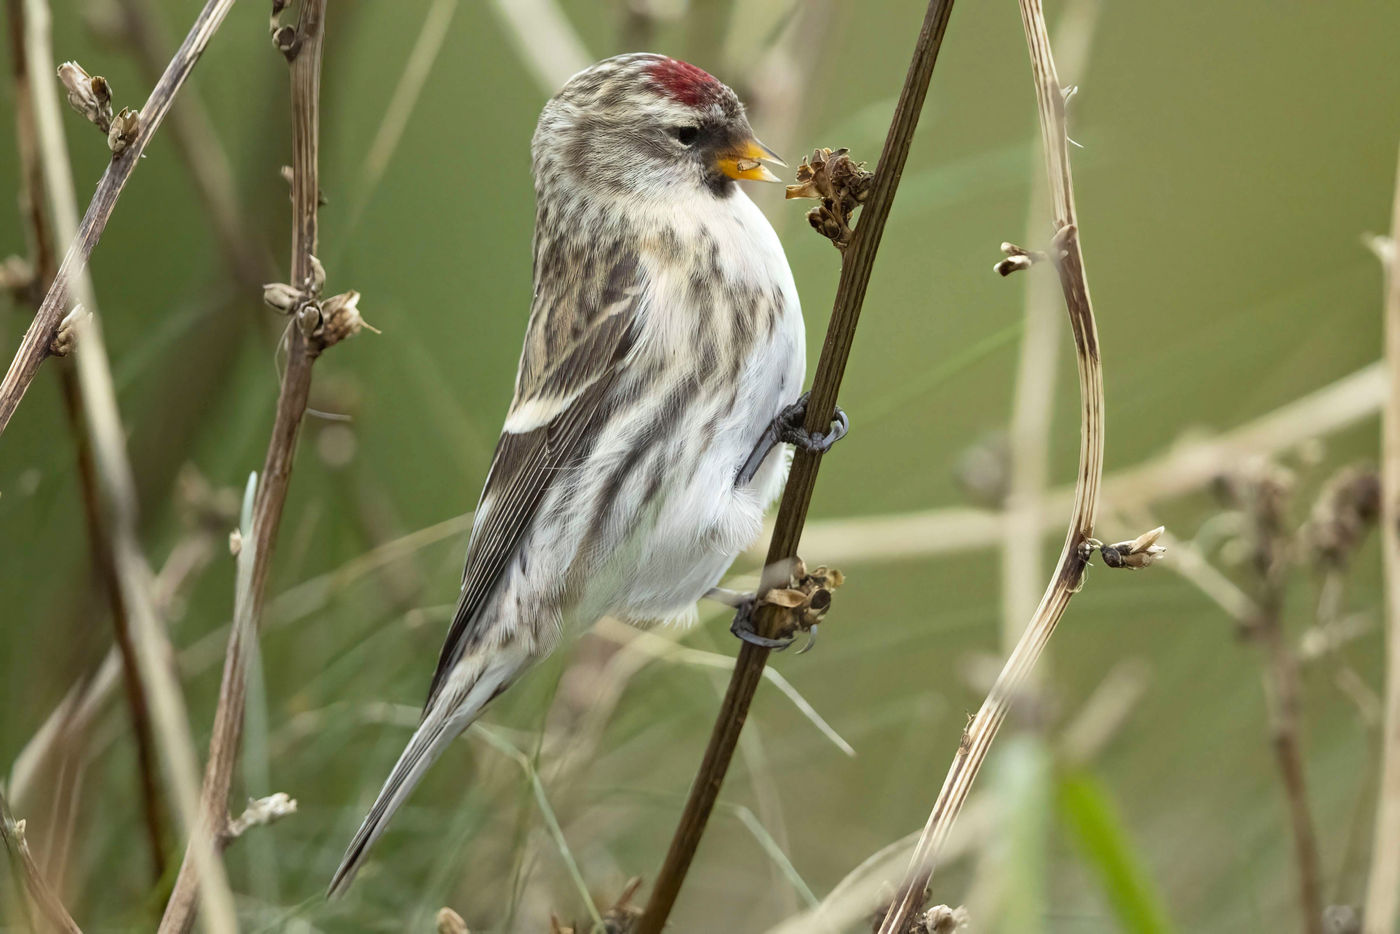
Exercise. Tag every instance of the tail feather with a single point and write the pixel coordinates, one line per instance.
(451, 712)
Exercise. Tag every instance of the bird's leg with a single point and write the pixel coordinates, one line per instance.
(788, 426)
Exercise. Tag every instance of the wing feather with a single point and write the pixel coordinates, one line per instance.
(558, 403)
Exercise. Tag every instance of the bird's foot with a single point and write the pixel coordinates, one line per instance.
(789, 427)
(803, 604)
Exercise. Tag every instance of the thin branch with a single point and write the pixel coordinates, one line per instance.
(315, 326)
(42, 331)
(1383, 887)
(39, 891)
(1069, 571)
(859, 259)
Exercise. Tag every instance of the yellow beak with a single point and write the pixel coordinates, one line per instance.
(745, 161)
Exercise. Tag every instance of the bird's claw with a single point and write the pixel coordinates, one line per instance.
(743, 627)
(789, 426)
(792, 427)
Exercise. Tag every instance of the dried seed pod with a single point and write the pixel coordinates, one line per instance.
(89, 95)
(123, 130)
(342, 318)
(66, 338)
(282, 297)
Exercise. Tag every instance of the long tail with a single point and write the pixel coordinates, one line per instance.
(480, 681)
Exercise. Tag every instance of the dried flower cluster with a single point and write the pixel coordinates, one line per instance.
(68, 331)
(1133, 555)
(804, 601)
(324, 321)
(840, 184)
(91, 96)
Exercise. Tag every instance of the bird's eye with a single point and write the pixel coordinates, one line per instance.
(686, 135)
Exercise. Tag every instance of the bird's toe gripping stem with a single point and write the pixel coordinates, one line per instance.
(789, 427)
(804, 602)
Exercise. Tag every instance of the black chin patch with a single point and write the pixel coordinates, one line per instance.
(720, 185)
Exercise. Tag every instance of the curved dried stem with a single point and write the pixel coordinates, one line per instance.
(859, 259)
(1383, 887)
(1069, 571)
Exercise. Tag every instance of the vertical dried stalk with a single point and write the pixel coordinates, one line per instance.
(1383, 888)
(856, 266)
(1069, 571)
(151, 646)
(43, 896)
(42, 236)
(302, 351)
(1037, 369)
(35, 346)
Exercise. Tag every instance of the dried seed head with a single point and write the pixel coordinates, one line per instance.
(840, 184)
(318, 276)
(66, 338)
(284, 40)
(342, 318)
(310, 319)
(88, 95)
(1138, 553)
(123, 130)
(282, 297)
(449, 922)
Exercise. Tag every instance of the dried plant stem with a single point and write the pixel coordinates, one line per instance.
(272, 488)
(977, 738)
(1037, 371)
(39, 890)
(35, 346)
(1383, 887)
(1282, 693)
(859, 259)
(41, 234)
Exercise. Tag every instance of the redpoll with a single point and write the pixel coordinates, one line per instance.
(664, 349)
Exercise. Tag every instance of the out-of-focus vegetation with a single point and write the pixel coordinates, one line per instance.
(1233, 156)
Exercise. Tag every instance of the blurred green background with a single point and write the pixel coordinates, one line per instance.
(1233, 157)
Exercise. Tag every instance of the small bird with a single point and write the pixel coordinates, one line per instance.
(662, 363)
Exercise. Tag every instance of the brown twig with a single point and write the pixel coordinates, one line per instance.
(1069, 571)
(315, 326)
(1383, 886)
(39, 891)
(42, 331)
(858, 260)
